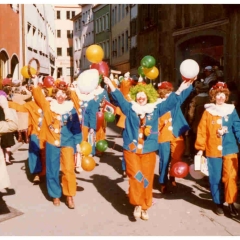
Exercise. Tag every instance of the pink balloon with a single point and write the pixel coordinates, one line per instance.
(196, 174)
(102, 68)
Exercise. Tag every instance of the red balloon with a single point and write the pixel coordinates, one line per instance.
(100, 119)
(179, 170)
(48, 81)
(102, 68)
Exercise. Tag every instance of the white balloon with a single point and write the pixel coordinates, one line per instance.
(189, 68)
(196, 174)
(88, 80)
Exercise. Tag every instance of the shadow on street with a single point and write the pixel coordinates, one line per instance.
(114, 194)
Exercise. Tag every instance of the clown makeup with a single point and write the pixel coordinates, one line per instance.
(61, 96)
(220, 98)
(141, 98)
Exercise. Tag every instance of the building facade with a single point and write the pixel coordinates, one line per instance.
(120, 40)
(38, 37)
(64, 39)
(102, 31)
(9, 41)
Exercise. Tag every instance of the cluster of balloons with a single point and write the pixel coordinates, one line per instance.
(148, 68)
(88, 163)
(95, 55)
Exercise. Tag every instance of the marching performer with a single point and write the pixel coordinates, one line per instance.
(171, 127)
(140, 139)
(217, 135)
(61, 130)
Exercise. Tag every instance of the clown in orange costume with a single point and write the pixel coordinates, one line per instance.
(172, 125)
(140, 139)
(217, 135)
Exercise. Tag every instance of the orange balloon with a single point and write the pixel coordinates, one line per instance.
(88, 163)
(86, 148)
(94, 53)
(151, 73)
(24, 71)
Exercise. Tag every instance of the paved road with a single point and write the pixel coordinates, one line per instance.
(102, 208)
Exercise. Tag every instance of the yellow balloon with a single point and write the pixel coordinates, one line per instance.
(151, 73)
(94, 53)
(86, 148)
(24, 71)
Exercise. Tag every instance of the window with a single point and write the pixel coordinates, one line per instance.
(112, 17)
(103, 22)
(59, 72)
(122, 43)
(68, 15)
(59, 51)
(107, 49)
(119, 45)
(119, 12)
(100, 25)
(76, 26)
(107, 21)
(69, 34)
(69, 51)
(58, 33)
(123, 10)
(80, 42)
(126, 40)
(58, 15)
(115, 15)
(79, 23)
(73, 14)
(96, 26)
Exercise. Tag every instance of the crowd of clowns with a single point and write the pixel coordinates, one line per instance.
(195, 119)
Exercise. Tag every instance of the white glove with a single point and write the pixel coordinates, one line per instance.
(109, 83)
(184, 85)
(78, 148)
(200, 153)
(3, 102)
(35, 80)
(91, 131)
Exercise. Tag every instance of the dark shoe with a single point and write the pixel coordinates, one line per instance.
(70, 203)
(9, 163)
(219, 209)
(232, 210)
(173, 182)
(163, 188)
(56, 202)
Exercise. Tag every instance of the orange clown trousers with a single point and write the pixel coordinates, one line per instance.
(229, 177)
(140, 193)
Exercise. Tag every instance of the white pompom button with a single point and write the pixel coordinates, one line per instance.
(170, 128)
(40, 110)
(58, 117)
(220, 148)
(139, 146)
(56, 142)
(56, 130)
(219, 121)
(140, 135)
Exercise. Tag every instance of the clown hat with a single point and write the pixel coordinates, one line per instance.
(88, 80)
(220, 85)
(165, 85)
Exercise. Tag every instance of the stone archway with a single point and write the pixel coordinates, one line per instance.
(207, 47)
(4, 68)
(15, 67)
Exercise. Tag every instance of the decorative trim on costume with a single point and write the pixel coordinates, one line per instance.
(63, 108)
(145, 183)
(219, 110)
(139, 176)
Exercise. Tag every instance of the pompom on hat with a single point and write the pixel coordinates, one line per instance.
(2, 93)
(165, 85)
(7, 82)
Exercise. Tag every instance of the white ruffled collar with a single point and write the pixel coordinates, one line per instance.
(148, 108)
(219, 110)
(90, 96)
(61, 109)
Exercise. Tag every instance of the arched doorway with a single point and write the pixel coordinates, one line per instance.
(4, 68)
(15, 67)
(206, 47)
